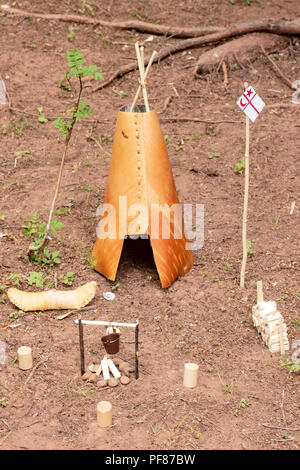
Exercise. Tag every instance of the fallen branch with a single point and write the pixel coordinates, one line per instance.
(282, 28)
(238, 47)
(141, 26)
(33, 371)
(280, 427)
(190, 119)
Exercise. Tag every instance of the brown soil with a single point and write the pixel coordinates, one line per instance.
(245, 398)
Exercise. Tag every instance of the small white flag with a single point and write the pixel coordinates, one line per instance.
(251, 103)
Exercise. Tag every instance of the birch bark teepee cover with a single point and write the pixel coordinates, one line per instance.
(141, 190)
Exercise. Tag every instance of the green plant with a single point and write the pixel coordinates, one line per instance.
(293, 368)
(2, 400)
(148, 278)
(15, 315)
(34, 228)
(226, 265)
(68, 279)
(64, 210)
(71, 34)
(15, 278)
(216, 155)
(42, 118)
(86, 6)
(45, 258)
(2, 216)
(20, 153)
(35, 278)
(88, 257)
(294, 320)
(19, 125)
(167, 140)
(243, 404)
(250, 250)
(239, 167)
(276, 224)
(76, 71)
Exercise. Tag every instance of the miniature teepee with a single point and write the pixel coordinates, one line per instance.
(141, 190)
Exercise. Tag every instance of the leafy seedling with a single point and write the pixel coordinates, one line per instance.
(35, 278)
(76, 72)
(71, 34)
(15, 279)
(250, 250)
(213, 155)
(293, 368)
(42, 118)
(239, 167)
(68, 279)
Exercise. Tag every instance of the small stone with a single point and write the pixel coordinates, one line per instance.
(124, 380)
(113, 382)
(93, 378)
(102, 383)
(117, 361)
(124, 365)
(93, 367)
(86, 375)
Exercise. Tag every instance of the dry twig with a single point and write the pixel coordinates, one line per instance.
(277, 69)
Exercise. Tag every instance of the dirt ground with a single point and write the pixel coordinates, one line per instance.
(246, 397)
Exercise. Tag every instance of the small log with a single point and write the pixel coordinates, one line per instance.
(239, 47)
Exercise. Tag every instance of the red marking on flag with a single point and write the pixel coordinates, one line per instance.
(249, 102)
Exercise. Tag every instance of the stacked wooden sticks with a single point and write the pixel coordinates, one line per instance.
(143, 75)
(269, 323)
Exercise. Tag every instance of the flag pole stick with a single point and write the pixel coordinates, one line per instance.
(245, 210)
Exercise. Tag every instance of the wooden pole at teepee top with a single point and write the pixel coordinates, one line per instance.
(143, 76)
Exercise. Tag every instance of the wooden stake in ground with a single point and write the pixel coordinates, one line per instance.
(80, 327)
(245, 210)
(137, 350)
(260, 295)
(252, 105)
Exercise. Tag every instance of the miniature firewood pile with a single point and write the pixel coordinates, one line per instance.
(269, 323)
(109, 373)
(112, 370)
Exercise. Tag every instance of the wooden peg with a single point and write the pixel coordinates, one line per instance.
(190, 376)
(104, 414)
(25, 357)
(260, 295)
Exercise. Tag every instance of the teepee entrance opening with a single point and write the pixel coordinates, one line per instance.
(137, 254)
